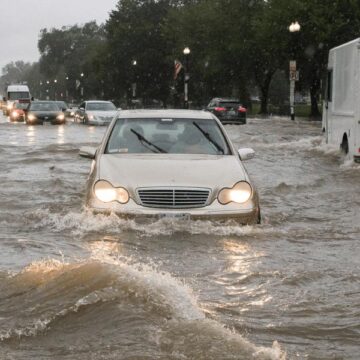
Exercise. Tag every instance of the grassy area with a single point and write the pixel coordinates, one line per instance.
(301, 110)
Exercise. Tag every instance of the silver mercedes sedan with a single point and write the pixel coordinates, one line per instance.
(170, 164)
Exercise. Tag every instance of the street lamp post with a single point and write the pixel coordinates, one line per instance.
(293, 28)
(55, 89)
(133, 85)
(186, 52)
(66, 88)
(82, 85)
(47, 89)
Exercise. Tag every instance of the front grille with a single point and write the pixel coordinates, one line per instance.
(106, 118)
(173, 198)
(47, 117)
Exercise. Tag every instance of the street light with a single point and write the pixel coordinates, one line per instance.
(293, 28)
(82, 86)
(66, 88)
(186, 52)
(133, 85)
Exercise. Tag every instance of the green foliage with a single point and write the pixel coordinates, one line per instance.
(235, 45)
(134, 33)
(67, 53)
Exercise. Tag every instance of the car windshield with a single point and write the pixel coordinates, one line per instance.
(101, 106)
(21, 106)
(229, 104)
(173, 136)
(62, 104)
(18, 95)
(44, 107)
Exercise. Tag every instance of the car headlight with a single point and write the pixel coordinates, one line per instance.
(105, 192)
(72, 113)
(239, 193)
(14, 114)
(92, 117)
(31, 117)
(9, 106)
(60, 117)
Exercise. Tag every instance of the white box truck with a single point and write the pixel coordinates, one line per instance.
(15, 93)
(341, 108)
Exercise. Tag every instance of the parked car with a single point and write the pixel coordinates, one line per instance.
(18, 111)
(95, 112)
(228, 111)
(44, 112)
(170, 163)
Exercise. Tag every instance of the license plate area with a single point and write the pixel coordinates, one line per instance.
(178, 216)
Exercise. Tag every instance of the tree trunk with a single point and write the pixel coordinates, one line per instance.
(264, 89)
(314, 93)
(314, 113)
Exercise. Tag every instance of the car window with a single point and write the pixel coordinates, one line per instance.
(101, 106)
(21, 105)
(62, 104)
(229, 104)
(44, 107)
(174, 136)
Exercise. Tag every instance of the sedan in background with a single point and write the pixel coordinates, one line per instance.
(18, 111)
(228, 111)
(68, 111)
(170, 164)
(96, 112)
(44, 112)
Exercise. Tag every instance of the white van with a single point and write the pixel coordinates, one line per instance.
(341, 108)
(16, 93)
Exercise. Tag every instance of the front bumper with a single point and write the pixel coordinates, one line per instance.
(245, 214)
(233, 120)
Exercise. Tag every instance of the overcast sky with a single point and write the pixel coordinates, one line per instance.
(22, 20)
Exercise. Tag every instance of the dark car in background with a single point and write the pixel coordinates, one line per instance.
(228, 111)
(44, 112)
(68, 111)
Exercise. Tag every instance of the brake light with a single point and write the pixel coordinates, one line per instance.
(242, 109)
(220, 109)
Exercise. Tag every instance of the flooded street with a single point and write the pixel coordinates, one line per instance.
(74, 285)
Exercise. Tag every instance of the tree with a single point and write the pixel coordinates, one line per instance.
(134, 34)
(67, 53)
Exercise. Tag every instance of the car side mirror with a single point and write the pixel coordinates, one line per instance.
(82, 109)
(246, 154)
(88, 152)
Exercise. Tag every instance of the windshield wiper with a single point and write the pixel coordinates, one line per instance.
(210, 139)
(142, 139)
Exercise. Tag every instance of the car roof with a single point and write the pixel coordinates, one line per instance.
(98, 101)
(44, 101)
(165, 113)
(226, 99)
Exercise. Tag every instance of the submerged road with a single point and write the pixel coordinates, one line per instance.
(79, 286)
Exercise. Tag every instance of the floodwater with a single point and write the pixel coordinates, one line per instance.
(79, 286)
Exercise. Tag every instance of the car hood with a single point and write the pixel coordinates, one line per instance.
(132, 171)
(111, 113)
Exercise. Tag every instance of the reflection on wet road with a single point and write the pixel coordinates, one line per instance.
(79, 286)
